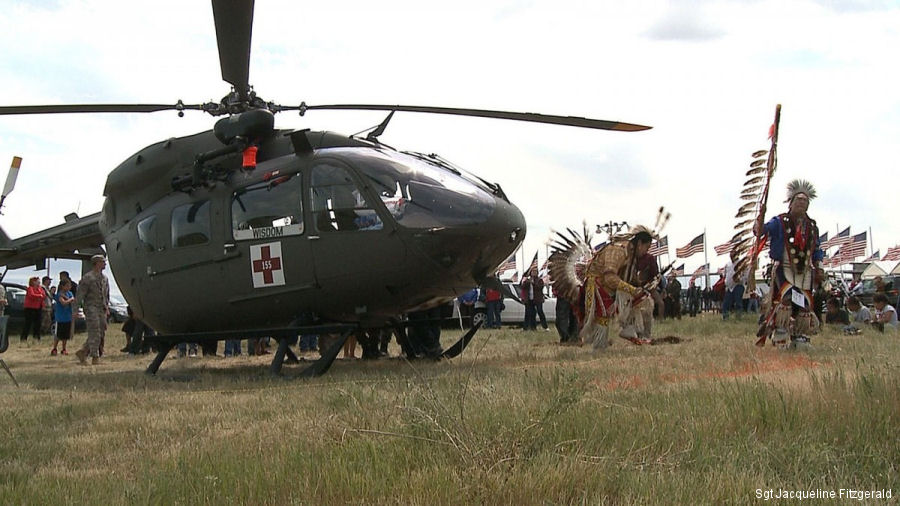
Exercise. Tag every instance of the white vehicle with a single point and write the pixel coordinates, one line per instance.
(513, 312)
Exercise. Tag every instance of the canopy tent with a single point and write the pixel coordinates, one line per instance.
(878, 268)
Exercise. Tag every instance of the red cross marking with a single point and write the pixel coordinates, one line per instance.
(266, 264)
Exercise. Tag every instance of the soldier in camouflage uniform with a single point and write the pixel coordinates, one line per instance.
(93, 296)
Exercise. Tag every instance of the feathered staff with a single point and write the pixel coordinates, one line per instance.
(756, 189)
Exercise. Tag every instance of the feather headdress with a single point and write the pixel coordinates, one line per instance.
(567, 262)
(572, 253)
(800, 186)
(662, 219)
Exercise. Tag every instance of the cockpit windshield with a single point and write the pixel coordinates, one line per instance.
(419, 193)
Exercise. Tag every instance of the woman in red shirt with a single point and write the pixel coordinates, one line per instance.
(492, 300)
(34, 301)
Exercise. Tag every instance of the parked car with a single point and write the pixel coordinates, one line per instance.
(118, 310)
(15, 308)
(513, 311)
(15, 303)
(892, 282)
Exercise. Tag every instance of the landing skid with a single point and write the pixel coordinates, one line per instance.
(460, 345)
(4, 341)
(6, 367)
(285, 337)
(317, 368)
(161, 351)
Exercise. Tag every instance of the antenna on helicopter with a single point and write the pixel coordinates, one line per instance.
(376, 130)
(373, 135)
(11, 179)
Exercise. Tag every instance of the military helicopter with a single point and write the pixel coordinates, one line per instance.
(291, 227)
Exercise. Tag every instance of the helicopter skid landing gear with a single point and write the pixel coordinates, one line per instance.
(460, 345)
(9, 372)
(320, 366)
(317, 368)
(282, 354)
(163, 349)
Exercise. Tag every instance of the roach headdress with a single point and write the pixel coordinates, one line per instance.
(800, 186)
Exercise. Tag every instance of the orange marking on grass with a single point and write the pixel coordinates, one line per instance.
(774, 362)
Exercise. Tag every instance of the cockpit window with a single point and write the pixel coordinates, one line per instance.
(422, 194)
(337, 203)
(268, 209)
(190, 224)
(146, 231)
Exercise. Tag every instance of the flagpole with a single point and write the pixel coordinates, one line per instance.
(705, 258)
(871, 243)
(522, 264)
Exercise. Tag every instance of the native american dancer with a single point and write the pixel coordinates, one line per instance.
(796, 269)
(603, 286)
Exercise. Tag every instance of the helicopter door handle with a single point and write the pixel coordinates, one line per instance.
(313, 237)
(229, 246)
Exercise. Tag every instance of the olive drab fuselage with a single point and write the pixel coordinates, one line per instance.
(336, 226)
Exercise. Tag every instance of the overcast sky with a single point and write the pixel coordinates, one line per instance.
(706, 75)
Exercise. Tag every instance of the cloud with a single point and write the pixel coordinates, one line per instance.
(850, 6)
(618, 169)
(709, 96)
(685, 22)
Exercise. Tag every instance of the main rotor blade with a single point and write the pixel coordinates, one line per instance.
(234, 25)
(70, 108)
(482, 113)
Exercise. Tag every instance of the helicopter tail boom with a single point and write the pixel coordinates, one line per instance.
(77, 238)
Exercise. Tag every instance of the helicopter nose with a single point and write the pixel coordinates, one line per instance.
(503, 233)
(474, 251)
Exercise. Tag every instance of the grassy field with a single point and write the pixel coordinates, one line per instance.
(516, 419)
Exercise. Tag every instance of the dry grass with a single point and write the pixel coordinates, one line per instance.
(516, 419)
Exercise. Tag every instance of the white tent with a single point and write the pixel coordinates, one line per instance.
(878, 268)
(896, 269)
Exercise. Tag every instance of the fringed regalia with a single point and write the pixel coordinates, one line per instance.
(794, 249)
(599, 284)
(607, 296)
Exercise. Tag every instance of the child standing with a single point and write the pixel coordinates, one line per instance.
(63, 313)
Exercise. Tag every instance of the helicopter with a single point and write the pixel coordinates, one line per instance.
(299, 231)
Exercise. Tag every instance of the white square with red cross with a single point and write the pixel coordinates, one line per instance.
(266, 265)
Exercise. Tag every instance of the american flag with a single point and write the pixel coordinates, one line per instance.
(660, 247)
(892, 253)
(823, 238)
(723, 248)
(695, 246)
(509, 264)
(701, 271)
(873, 257)
(855, 248)
(838, 240)
(679, 271)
